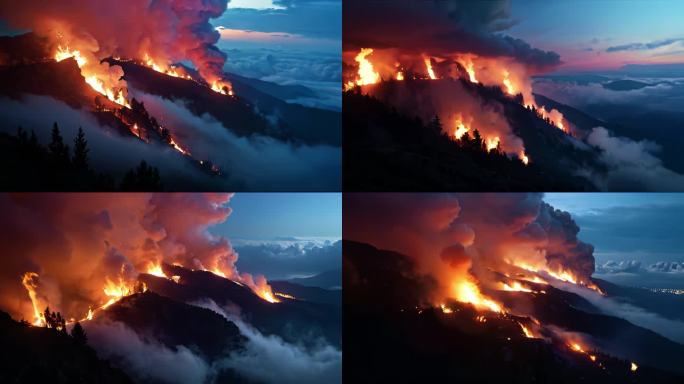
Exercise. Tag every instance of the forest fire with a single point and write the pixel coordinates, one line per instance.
(428, 67)
(29, 280)
(466, 291)
(93, 79)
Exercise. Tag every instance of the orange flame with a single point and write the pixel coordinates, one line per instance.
(428, 66)
(492, 143)
(29, 280)
(366, 73)
(466, 291)
(461, 129)
(524, 158)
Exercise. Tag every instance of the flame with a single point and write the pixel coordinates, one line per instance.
(446, 309)
(175, 278)
(492, 143)
(29, 280)
(524, 158)
(179, 148)
(461, 129)
(507, 83)
(95, 82)
(285, 295)
(633, 367)
(400, 76)
(467, 292)
(366, 73)
(155, 269)
(515, 287)
(89, 316)
(222, 87)
(526, 331)
(469, 67)
(428, 66)
(266, 294)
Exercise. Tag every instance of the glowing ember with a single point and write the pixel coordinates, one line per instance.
(428, 66)
(466, 291)
(29, 280)
(633, 367)
(400, 76)
(285, 295)
(175, 278)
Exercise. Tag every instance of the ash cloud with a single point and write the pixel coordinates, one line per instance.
(440, 27)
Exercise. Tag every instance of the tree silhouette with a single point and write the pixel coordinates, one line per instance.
(80, 151)
(57, 148)
(143, 178)
(79, 334)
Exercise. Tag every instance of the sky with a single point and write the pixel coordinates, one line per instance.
(602, 34)
(628, 227)
(274, 216)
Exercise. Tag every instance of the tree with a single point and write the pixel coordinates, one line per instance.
(57, 147)
(143, 178)
(435, 125)
(79, 334)
(80, 151)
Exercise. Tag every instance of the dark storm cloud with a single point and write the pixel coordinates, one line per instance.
(644, 46)
(436, 27)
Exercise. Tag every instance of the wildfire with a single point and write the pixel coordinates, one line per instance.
(428, 66)
(29, 280)
(471, 71)
(155, 269)
(633, 367)
(400, 76)
(96, 83)
(89, 316)
(461, 129)
(179, 148)
(223, 88)
(507, 83)
(526, 331)
(524, 158)
(366, 73)
(446, 309)
(492, 143)
(266, 294)
(467, 292)
(515, 287)
(285, 295)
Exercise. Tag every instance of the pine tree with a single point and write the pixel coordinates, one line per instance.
(80, 151)
(79, 334)
(58, 149)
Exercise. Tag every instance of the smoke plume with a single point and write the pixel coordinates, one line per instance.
(81, 244)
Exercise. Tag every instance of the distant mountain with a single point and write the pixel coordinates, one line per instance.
(328, 280)
(283, 92)
(41, 355)
(625, 85)
(393, 333)
(666, 305)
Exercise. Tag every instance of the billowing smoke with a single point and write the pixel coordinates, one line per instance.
(88, 248)
(457, 236)
(439, 27)
(166, 31)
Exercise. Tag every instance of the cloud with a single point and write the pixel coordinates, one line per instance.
(629, 266)
(269, 359)
(644, 46)
(277, 260)
(144, 358)
(667, 266)
(632, 165)
(440, 27)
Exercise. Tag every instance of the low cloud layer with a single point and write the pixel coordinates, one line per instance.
(277, 260)
(636, 266)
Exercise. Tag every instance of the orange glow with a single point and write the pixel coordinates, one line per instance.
(515, 287)
(466, 291)
(461, 129)
(366, 73)
(445, 309)
(285, 295)
(222, 87)
(400, 76)
(492, 143)
(95, 82)
(155, 269)
(633, 367)
(89, 316)
(29, 280)
(507, 83)
(179, 149)
(526, 331)
(428, 66)
(524, 158)
(471, 71)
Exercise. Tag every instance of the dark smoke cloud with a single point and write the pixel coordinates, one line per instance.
(172, 30)
(439, 27)
(448, 233)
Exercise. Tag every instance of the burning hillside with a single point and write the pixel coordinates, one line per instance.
(132, 234)
(506, 271)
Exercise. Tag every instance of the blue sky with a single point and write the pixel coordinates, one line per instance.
(268, 216)
(648, 227)
(582, 31)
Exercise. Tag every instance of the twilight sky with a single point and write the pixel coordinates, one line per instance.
(600, 34)
(646, 227)
(270, 216)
